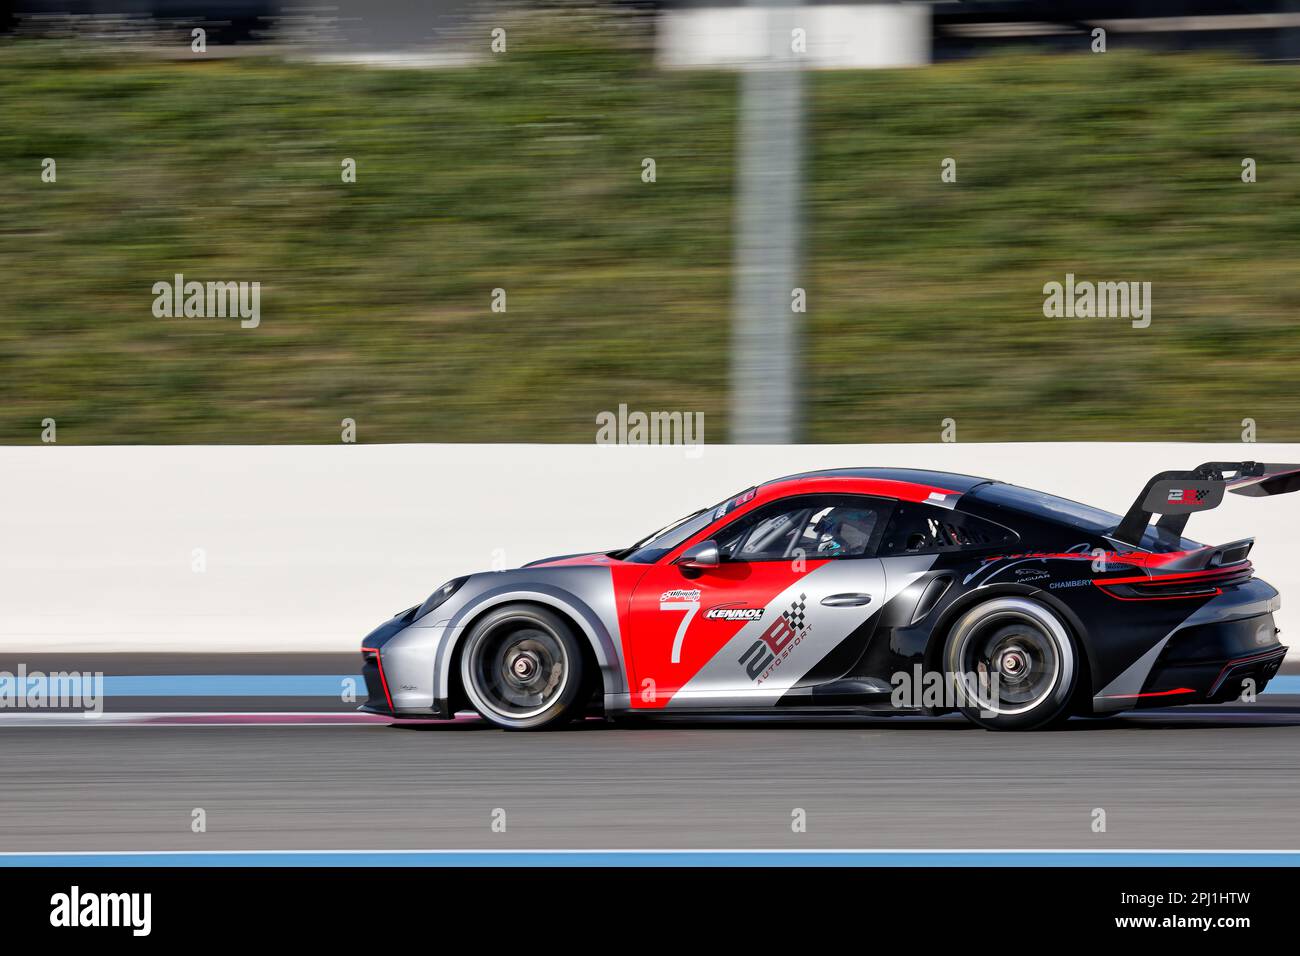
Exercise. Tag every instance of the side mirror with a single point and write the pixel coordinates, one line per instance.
(700, 556)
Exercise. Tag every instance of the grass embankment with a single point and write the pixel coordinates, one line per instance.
(524, 173)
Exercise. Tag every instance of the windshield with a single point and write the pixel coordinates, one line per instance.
(654, 546)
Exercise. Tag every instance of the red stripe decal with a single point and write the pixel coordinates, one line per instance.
(379, 662)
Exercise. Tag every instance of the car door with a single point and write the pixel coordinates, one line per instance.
(795, 577)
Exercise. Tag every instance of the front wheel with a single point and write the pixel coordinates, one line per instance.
(1014, 664)
(521, 668)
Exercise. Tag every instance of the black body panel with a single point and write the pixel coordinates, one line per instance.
(1140, 644)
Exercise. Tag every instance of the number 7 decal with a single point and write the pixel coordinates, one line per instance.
(690, 607)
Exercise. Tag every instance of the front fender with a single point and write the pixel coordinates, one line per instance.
(583, 598)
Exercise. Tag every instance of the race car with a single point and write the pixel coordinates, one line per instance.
(863, 590)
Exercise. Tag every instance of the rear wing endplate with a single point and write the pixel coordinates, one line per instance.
(1176, 494)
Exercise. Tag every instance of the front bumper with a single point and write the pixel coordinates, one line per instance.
(379, 699)
(398, 667)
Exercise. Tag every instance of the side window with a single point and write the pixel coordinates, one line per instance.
(925, 529)
(809, 526)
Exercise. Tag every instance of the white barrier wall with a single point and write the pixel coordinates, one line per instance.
(306, 548)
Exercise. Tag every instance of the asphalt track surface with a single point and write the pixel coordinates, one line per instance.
(1208, 778)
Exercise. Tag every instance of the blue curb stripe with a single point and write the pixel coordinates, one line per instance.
(308, 685)
(1284, 684)
(660, 858)
(209, 685)
(232, 685)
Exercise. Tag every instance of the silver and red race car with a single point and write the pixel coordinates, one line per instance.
(867, 590)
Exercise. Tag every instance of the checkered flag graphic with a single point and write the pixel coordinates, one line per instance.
(795, 614)
(1202, 494)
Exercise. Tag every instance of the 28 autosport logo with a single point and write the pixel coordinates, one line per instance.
(775, 644)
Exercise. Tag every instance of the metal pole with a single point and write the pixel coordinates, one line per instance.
(765, 332)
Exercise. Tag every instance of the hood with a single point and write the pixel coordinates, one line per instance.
(572, 560)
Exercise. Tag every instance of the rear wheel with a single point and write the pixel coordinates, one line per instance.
(522, 668)
(1014, 664)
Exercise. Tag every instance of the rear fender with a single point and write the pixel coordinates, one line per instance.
(948, 617)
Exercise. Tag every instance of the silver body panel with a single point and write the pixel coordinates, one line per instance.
(419, 659)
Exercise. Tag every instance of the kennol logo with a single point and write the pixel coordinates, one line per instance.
(734, 613)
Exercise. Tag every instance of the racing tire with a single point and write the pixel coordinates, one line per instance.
(1014, 665)
(522, 668)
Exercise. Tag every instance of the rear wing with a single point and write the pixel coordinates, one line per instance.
(1176, 494)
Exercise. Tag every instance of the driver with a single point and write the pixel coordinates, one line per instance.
(844, 532)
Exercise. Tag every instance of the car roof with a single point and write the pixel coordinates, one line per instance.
(921, 477)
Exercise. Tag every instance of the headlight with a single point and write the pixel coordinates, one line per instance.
(438, 597)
